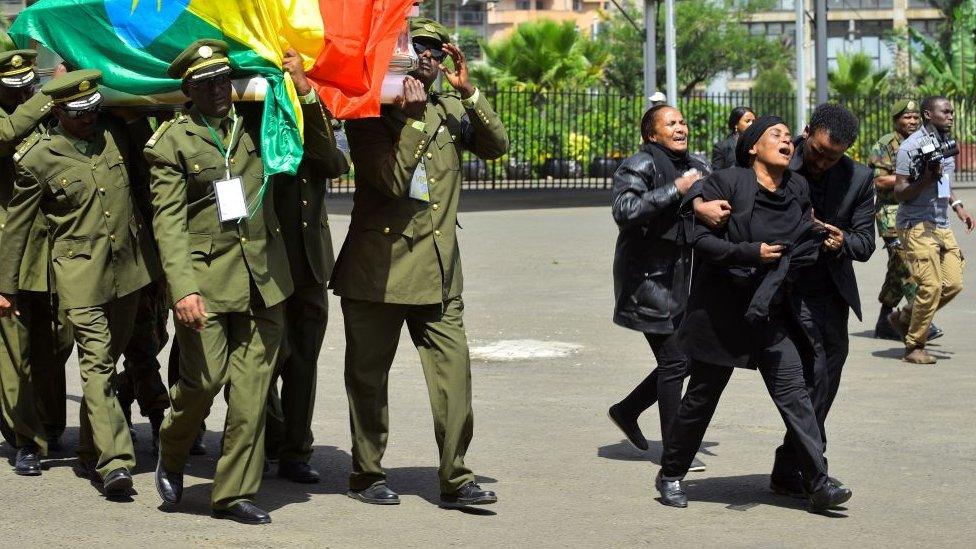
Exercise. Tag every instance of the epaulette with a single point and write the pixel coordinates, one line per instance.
(887, 138)
(159, 132)
(26, 146)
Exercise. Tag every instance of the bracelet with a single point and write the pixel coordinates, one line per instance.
(955, 204)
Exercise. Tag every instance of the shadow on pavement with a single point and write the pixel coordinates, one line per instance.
(480, 201)
(624, 451)
(742, 493)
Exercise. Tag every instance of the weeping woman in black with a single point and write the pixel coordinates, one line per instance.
(739, 313)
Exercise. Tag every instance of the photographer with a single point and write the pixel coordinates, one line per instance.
(923, 187)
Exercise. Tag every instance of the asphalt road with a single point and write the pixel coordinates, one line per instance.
(548, 362)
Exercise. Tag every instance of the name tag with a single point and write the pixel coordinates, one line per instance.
(418, 185)
(231, 203)
(944, 187)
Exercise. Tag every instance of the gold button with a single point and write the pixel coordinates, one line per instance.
(386, 230)
(430, 155)
(71, 253)
(437, 233)
(231, 160)
(196, 167)
(432, 180)
(120, 157)
(108, 213)
(101, 190)
(243, 240)
(435, 207)
(111, 237)
(277, 229)
(440, 129)
(304, 202)
(304, 180)
(304, 224)
(2, 225)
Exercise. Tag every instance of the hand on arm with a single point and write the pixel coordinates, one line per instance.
(8, 306)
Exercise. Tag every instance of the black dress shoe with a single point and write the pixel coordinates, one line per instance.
(297, 471)
(788, 486)
(671, 492)
(244, 512)
(469, 494)
(828, 497)
(168, 485)
(628, 426)
(28, 462)
(378, 494)
(198, 448)
(117, 483)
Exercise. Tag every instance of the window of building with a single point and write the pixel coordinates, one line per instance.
(858, 4)
(928, 27)
(523, 4)
(863, 36)
(577, 5)
(922, 4)
(780, 32)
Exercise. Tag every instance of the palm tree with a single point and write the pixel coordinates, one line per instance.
(855, 77)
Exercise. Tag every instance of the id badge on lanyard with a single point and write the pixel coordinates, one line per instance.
(231, 201)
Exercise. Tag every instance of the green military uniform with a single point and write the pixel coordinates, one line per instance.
(100, 256)
(300, 204)
(898, 283)
(239, 268)
(34, 345)
(401, 263)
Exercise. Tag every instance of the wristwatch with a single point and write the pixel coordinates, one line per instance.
(955, 205)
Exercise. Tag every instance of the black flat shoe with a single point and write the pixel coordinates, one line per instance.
(28, 462)
(671, 493)
(168, 485)
(828, 497)
(469, 494)
(378, 494)
(244, 512)
(297, 471)
(198, 448)
(117, 483)
(628, 426)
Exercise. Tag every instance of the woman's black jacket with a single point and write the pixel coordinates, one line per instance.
(717, 328)
(650, 267)
(723, 153)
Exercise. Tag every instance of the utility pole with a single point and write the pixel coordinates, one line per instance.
(821, 51)
(650, 50)
(670, 53)
(801, 64)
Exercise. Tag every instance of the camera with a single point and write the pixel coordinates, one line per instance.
(931, 150)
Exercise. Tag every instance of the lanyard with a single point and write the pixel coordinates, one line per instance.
(219, 143)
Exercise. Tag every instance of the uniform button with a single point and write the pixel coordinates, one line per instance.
(386, 230)
(437, 233)
(64, 182)
(120, 157)
(231, 160)
(71, 253)
(435, 207)
(430, 155)
(304, 180)
(196, 167)
(108, 213)
(304, 202)
(277, 229)
(432, 180)
(2, 226)
(101, 190)
(243, 240)
(304, 224)
(440, 129)
(111, 237)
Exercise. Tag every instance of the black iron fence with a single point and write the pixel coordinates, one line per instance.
(576, 139)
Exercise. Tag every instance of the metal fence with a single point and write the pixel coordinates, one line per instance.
(576, 139)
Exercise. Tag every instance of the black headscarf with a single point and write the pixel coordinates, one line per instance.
(751, 136)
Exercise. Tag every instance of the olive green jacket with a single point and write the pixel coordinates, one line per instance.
(300, 201)
(15, 127)
(399, 249)
(99, 250)
(222, 262)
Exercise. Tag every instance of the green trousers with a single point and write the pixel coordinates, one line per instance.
(372, 335)
(140, 380)
(239, 350)
(288, 433)
(34, 347)
(898, 282)
(102, 332)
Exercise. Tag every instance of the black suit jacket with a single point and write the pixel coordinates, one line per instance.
(849, 206)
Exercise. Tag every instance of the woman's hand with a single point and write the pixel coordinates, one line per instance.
(769, 253)
(714, 213)
(687, 180)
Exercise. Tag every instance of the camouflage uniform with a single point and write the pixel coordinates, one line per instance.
(898, 280)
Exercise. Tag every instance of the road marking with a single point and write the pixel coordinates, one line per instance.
(523, 349)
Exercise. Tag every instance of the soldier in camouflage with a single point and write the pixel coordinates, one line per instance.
(898, 282)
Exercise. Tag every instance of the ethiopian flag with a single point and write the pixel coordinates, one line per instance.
(346, 45)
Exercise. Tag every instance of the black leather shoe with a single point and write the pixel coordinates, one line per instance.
(628, 426)
(297, 471)
(169, 485)
(378, 494)
(198, 448)
(469, 494)
(934, 333)
(28, 462)
(671, 492)
(244, 512)
(884, 331)
(828, 497)
(788, 486)
(117, 483)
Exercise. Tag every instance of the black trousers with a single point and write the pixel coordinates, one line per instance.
(782, 371)
(825, 318)
(663, 385)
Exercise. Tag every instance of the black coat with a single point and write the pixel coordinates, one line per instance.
(723, 153)
(650, 273)
(849, 206)
(714, 330)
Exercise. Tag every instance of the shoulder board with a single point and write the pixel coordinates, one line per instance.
(159, 132)
(887, 138)
(26, 145)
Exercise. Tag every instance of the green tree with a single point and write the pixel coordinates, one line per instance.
(625, 45)
(855, 77)
(469, 42)
(948, 70)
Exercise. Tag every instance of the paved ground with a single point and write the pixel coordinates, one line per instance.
(901, 436)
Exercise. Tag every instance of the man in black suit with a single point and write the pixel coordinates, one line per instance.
(842, 193)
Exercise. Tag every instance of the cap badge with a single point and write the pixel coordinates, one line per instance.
(84, 86)
(16, 61)
(205, 52)
(430, 28)
(910, 106)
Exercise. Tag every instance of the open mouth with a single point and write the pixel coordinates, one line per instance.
(785, 150)
(680, 139)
